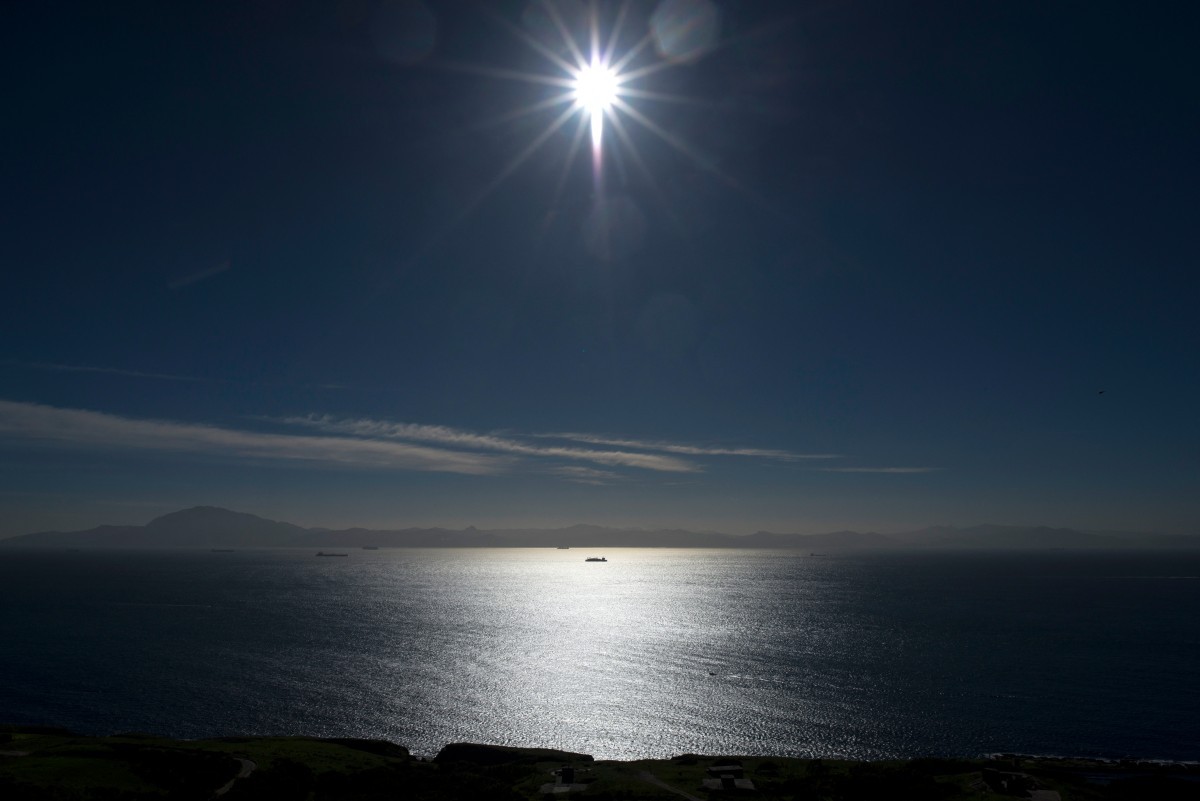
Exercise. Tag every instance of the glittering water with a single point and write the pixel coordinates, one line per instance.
(655, 652)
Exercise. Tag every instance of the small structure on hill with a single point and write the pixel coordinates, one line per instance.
(1020, 785)
(733, 769)
(566, 780)
(728, 775)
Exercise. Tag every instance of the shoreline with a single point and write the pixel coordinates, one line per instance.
(1123, 761)
(37, 761)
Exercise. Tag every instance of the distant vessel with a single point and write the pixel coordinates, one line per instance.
(596, 559)
(370, 547)
(564, 547)
(222, 550)
(322, 553)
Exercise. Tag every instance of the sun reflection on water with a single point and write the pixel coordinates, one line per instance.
(654, 653)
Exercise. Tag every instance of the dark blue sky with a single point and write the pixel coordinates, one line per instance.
(854, 264)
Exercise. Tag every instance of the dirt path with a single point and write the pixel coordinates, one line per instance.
(248, 767)
(650, 777)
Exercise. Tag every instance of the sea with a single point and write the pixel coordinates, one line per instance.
(653, 653)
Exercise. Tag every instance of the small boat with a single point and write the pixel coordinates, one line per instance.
(596, 559)
(322, 553)
(564, 547)
(370, 547)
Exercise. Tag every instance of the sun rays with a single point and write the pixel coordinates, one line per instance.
(604, 70)
(592, 70)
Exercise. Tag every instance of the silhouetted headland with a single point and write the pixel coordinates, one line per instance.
(43, 762)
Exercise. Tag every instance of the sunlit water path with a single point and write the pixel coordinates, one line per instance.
(655, 652)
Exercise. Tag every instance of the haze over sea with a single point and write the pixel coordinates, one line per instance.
(654, 653)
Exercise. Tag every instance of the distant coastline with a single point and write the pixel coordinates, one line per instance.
(215, 528)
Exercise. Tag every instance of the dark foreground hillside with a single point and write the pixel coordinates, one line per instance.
(43, 763)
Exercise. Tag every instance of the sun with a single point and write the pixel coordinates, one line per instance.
(596, 87)
(598, 78)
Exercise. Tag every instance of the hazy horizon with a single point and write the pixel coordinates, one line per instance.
(143, 521)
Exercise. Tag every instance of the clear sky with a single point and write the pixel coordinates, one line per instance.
(827, 264)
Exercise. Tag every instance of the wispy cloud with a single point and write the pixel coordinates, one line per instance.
(82, 428)
(76, 368)
(457, 438)
(880, 469)
(117, 371)
(689, 450)
(586, 475)
(202, 275)
(383, 444)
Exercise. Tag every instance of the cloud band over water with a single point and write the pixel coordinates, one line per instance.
(452, 437)
(81, 428)
(382, 444)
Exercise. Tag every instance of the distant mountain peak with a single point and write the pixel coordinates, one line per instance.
(204, 514)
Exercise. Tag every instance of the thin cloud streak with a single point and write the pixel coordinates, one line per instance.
(78, 427)
(202, 275)
(117, 371)
(691, 450)
(452, 437)
(367, 443)
(77, 368)
(880, 469)
(586, 475)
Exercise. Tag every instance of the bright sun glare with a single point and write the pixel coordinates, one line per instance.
(600, 83)
(596, 88)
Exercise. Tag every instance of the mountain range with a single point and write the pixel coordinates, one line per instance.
(210, 526)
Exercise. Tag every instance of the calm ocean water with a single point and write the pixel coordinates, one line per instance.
(655, 652)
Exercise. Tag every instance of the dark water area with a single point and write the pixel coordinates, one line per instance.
(653, 653)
